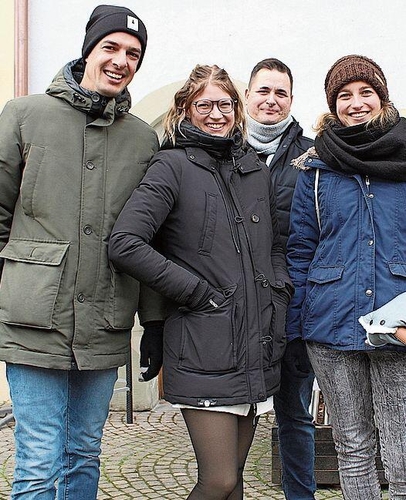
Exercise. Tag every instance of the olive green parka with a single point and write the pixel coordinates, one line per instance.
(69, 159)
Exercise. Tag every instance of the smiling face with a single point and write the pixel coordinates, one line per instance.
(357, 102)
(111, 64)
(214, 123)
(269, 98)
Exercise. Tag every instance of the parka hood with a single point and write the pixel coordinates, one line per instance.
(66, 85)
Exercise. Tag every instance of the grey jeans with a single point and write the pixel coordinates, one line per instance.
(364, 390)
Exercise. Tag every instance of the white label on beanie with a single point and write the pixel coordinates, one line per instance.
(132, 23)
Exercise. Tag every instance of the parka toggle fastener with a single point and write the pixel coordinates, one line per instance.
(263, 280)
(265, 339)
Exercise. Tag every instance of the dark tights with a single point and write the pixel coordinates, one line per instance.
(221, 442)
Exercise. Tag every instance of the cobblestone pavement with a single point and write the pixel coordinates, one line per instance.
(153, 459)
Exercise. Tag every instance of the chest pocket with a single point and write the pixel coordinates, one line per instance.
(209, 227)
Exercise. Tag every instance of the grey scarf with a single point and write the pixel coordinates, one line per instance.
(265, 139)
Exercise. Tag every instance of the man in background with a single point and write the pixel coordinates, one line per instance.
(278, 138)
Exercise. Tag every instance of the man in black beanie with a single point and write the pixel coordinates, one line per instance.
(69, 159)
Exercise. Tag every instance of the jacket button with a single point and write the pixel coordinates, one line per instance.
(95, 98)
(382, 322)
(261, 396)
(255, 218)
(207, 403)
(368, 293)
(265, 283)
(81, 297)
(192, 157)
(90, 165)
(88, 230)
(370, 243)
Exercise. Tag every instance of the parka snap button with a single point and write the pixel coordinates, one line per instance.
(382, 322)
(90, 165)
(95, 98)
(81, 297)
(368, 293)
(88, 230)
(255, 218)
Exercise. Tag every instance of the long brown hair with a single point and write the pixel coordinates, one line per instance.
(200, 77)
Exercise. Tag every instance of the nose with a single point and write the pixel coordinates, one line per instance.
(120, 59)
(216, 113)
(356, 101)
(270, 100)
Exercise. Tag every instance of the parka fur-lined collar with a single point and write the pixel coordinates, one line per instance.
(300, 162)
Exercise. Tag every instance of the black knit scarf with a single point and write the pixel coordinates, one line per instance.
(365, 150)
(220, 148)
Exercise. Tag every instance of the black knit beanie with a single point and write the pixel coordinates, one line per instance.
(106, 19)
(351, 69)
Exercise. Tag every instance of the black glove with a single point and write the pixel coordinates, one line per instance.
(204, 297)
(296, 359)
(151, 350)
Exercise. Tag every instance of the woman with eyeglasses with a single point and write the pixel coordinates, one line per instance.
(201, 230)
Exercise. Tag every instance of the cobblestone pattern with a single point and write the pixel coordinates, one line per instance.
(153, 459)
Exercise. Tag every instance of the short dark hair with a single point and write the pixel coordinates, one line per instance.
(271, 63)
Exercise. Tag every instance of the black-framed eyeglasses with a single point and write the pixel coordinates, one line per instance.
(205, 106)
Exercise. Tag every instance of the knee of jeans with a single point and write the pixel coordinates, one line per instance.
(36, 467)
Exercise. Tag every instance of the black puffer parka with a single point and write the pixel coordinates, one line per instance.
(215, 220)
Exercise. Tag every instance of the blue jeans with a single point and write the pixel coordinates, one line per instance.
(59, 418)
(296, 435)
(364, 390)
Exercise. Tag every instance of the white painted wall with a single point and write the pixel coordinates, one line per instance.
(308, 35)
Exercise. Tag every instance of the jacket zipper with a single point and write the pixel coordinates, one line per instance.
(227, 200)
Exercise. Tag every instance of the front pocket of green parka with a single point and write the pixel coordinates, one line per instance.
(208, 340)
(30, 282)
(123, 301)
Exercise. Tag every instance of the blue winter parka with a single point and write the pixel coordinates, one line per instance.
(348, 261)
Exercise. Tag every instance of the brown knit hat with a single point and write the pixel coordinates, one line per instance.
(354, 68)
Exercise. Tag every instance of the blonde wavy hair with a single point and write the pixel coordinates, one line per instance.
(387, 116)
(200, 77)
